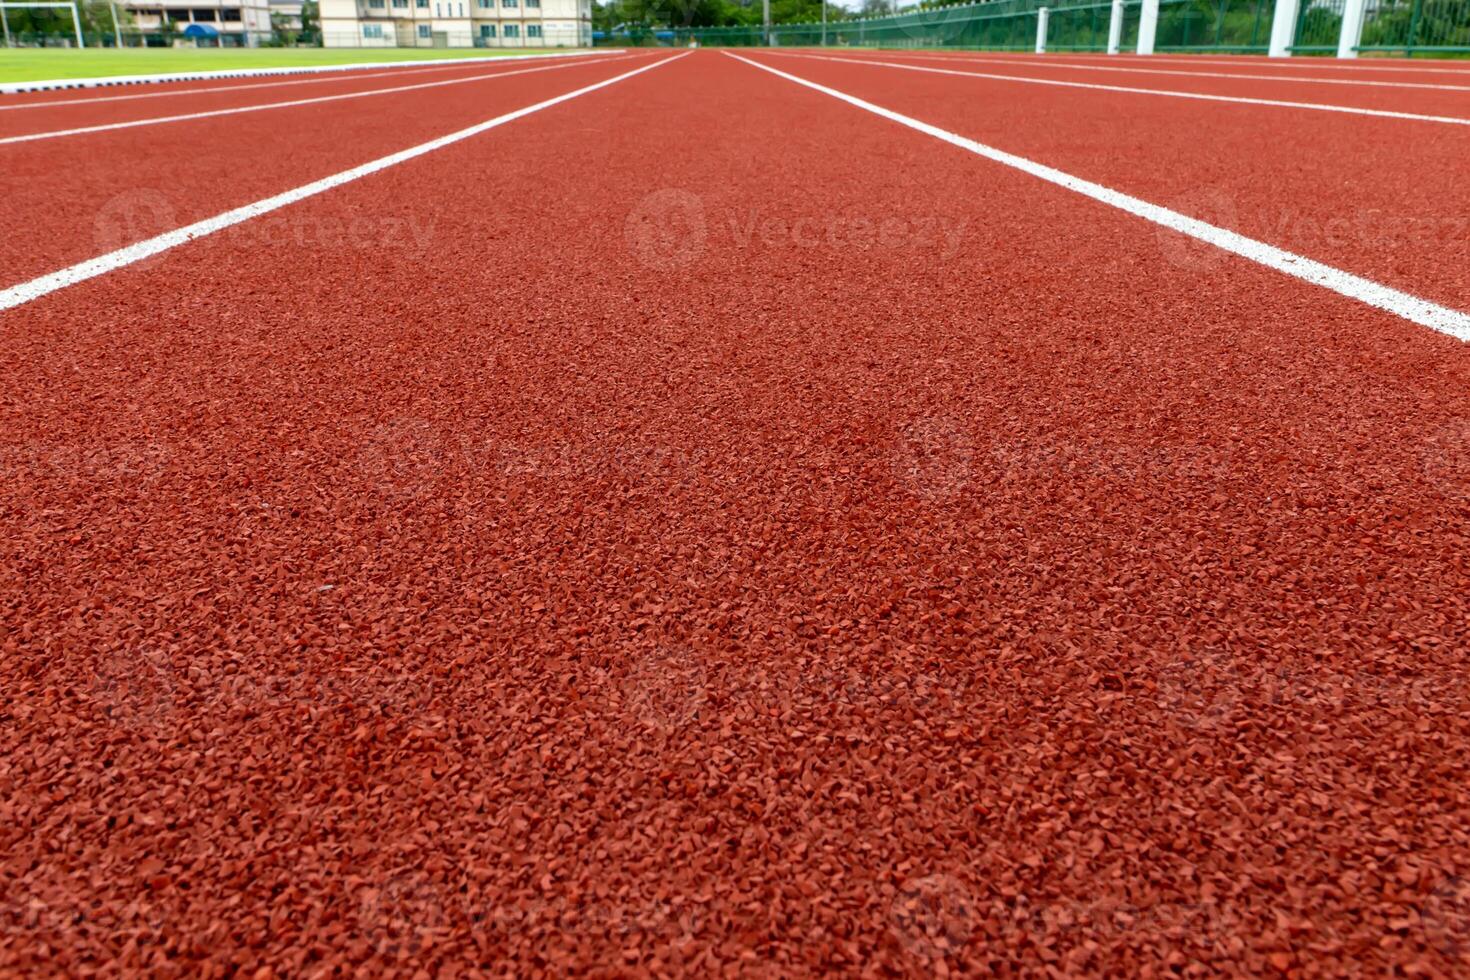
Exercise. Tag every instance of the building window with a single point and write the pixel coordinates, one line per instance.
(533, 30)
(400, 3)
(533, 4)
(422, 4)
(485, 4)
(376, 4)
(512, 30)
(487, 30)
(372, 30)
(509, 3)
(424, 31)
(461, 9)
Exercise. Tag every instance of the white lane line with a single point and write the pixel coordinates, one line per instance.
(104, 81)
(185, 117)
(50, 283)
(1305, 64)
(1074, 66)
(1412, 308)
(415, 71)
(1131, 90)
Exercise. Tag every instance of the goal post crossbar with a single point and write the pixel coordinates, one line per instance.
(76, 20)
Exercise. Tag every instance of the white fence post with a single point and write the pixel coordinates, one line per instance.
(1352, 29)
(1148, 26)
(1283, 29)
(1041, 18)
(1115, 28)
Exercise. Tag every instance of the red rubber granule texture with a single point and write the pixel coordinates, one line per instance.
(706, 529)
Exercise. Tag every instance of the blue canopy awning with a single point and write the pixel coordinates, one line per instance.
(201, 30)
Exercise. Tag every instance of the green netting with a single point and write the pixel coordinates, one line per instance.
(1393, 26)
(1184, 25)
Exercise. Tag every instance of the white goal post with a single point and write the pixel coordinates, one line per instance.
(76, 20)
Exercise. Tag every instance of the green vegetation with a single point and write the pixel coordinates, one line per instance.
(31, 64)
(674, 14)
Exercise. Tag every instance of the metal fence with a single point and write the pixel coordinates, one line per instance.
(1390, 26)
(1234, 26)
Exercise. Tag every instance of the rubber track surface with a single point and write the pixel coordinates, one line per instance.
(1454, 104)
(135, 183)
(749, 537)
(1449, 71)
(1340, 189)
(21, 114)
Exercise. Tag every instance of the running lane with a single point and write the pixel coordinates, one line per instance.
(1396, 69)
(52, 111)
(1382, 198)
(755, 538)
(1365, 93)
(69, 199)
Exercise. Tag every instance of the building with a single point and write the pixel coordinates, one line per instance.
(242, 22)
(286, 15)
(456, 23)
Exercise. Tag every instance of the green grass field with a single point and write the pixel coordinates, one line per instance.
(31, 64)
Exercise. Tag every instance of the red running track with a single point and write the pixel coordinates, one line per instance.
(1384, 198)
(1450, 71)
(70, 198)
(1357, 92)
(41, 112)
(755, 538)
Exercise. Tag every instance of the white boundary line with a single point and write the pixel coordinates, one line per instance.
(52, 84)
(156, 120)
(1376, 295)
(34, 289)
(1131, 90)
(1445, 67)
(1294, 79)
(222, 88)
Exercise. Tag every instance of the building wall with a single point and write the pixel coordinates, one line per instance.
(456, 23)
(252, 17)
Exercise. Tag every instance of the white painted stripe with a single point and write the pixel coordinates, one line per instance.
(1130, 90)
(1305, 64)
(416, 70)
(52, 84)
(1295, 79)
(1327, 64)
(185, 117)
(36, 288)
(1377, 295)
